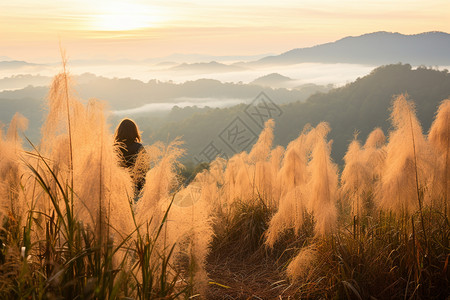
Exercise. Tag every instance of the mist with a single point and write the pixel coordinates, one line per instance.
(317, 73)
(181, 102)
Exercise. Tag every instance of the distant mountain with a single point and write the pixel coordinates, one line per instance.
(314, 88)
(23, 80)
(273, 79)
(211, 67)
(101, 62)
(15, 64)
(429, 49)
(192, 58)
(166, 64)
(125, 93)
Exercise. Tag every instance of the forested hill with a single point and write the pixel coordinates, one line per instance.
(359, 106)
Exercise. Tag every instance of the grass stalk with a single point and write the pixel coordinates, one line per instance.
(69, 127)
(417, 181)
(446, 179)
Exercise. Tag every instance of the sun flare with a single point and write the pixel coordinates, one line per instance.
(125, 16)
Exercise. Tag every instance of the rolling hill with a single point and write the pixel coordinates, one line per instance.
(273, 79)
(126, 93)
(357, 107)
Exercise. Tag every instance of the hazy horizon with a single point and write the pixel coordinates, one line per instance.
(304, 73)
(138, 29)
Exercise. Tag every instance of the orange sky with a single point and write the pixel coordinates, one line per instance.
(136, 29)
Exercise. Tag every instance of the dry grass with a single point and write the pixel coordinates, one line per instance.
(271, 223)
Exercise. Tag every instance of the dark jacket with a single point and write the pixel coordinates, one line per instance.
(129, 154)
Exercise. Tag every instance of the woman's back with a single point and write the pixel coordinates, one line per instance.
(132, 153)
(129, 154)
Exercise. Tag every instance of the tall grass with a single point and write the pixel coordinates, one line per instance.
(385, 234)
(70, 226)
(408, 162)
(439, 138)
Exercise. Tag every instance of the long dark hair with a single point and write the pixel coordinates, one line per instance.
(127, 132)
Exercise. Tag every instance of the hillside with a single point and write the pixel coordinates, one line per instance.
(13, 64)
(377, 48)
(273, 79)
(23, 80)
(126, 93)
(359, 106)
(211, 67)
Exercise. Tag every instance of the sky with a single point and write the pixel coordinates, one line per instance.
(137, 29)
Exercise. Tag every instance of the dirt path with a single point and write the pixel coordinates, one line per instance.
(237, 279)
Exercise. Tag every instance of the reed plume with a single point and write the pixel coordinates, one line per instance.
(189, 227)
(85, 159)
(374, 154)
(244, 178)
(407, 165)
(276, 157)
(321, 195)
(292, 178)
(102, 187)
(160, 180)
(439, 138)
(12, 201)
(259, 157)
(302, 264)
(355, 179)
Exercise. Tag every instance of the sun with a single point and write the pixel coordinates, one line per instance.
(125, 16)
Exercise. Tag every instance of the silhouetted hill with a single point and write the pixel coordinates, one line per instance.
(314, 88)
(30, 92)
(20, 81)
(126, 93)
(15, 64)
(431, 48)
(193, 58)
(273, 79)
(211, 67)
(166, 64)
(359, 106)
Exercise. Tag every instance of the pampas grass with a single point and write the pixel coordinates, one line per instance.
(72, 227)
(355, 179)
(160, 180)
(292, 178)
(11, 199)
(302, 264)
(374, 154)
(407, 166)
(439, 138)
(323, 183)
(190, 228)
(72, 212)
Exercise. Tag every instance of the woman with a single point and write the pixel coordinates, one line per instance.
(132, 153)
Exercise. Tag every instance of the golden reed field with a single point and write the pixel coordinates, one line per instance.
(289, 220)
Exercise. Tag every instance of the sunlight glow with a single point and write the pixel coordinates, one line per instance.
(123, 16)
(245, 27)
